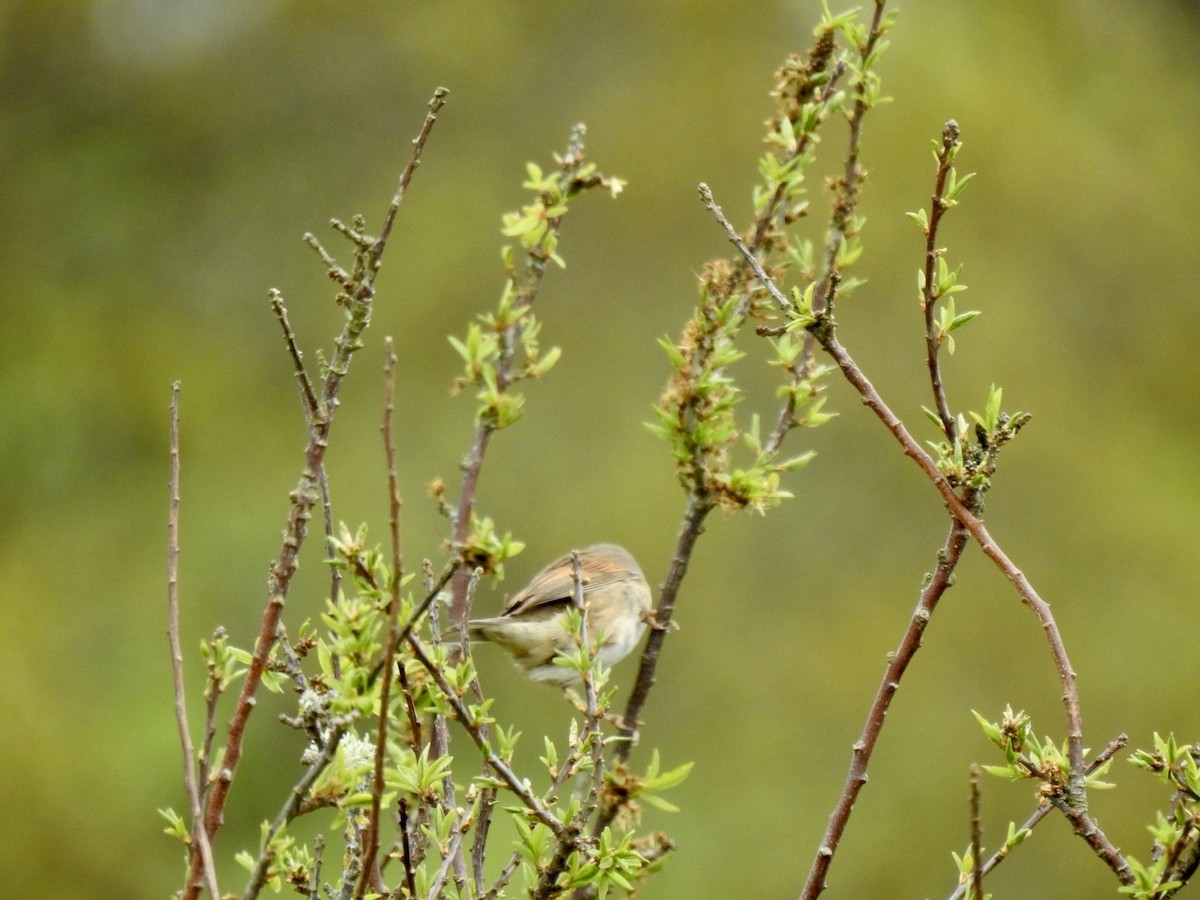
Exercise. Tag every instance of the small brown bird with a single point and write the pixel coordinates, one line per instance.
(533, 627)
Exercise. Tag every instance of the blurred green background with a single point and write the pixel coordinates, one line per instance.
(160, 161)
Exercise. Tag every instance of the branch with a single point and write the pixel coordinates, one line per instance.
(200, 846)
(824, 331)
(826, 336)
(976, 836)
(567, 845)
(1040, 813)
(698, 508)
(937, 208)
(370, 874)
(842, 224)
(358, 294)
(290, 810)
(942, 578)
(495, 763)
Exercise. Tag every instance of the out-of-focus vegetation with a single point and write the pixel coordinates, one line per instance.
(159, 165)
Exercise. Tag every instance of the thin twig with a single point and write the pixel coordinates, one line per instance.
(199, 837)
(591, 725)
(453, 851)
(439, 745)
(976, 836)
(771, 211)
(212, 695)
(591, 736)
(370, 874)
(314, 878)
(937, 208)
(410, 878)
(846, 193)
(505, 874)
(745, 251)
(487, 795)
(312, 408)
(497, 765)
(436, 102)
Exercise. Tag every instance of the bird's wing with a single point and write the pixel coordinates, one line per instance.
(556, 584)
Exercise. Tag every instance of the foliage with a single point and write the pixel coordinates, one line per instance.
(385, 684)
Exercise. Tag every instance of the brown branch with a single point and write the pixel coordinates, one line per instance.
(436, 102)
(505, 874)
(494, 762)
(312, 408)
(370, 874)
(314, 879)
(826, 336)
(526, 289)
(201, 848)
(976, 836)
(937, 208)
(358, 297)
(698, 507)
(846, 188)
(943, 577)
(1085, 827)
(1040, 813)
(471, 468)
(410, 878)
(1074, 804)
(214, 688)
(824, 332)
(772, 209)
(453, 853)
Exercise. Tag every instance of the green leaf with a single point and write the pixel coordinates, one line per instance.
(963, 318)
(1007, 772)
(921, 218)
(991, 729)
(957, 184)
(673, 352)
(547, 360)
(660, 803)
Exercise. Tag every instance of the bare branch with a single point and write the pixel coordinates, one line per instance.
(201, 847)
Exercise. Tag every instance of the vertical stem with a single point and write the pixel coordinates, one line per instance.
(201, 847)
(370, 874)
(976, 836)
(929, 298)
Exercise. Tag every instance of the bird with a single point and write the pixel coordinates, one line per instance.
(533, 626)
